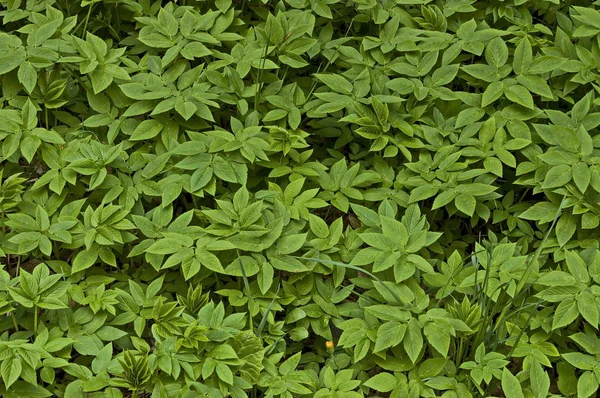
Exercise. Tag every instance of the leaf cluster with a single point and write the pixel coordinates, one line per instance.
(299, 198)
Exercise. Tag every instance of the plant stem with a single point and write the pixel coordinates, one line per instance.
(35, 321)
(516, 343)
(537, 253)
(521, 285)
(459, 355)
(87, 19)
(332, 357)
(329, 62)
(364, 271)
(263, 321)
(118, 21)
(285, 72)
(247, 285)
(260, 72)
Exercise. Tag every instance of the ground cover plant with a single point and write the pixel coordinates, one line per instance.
(299, 198)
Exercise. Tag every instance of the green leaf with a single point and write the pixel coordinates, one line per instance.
(586, 303)
(511, 385)
(580, 360)
(589, 221)
(11, 370)
(201, 177)
(100, 80)
(557, 176)
(146, 130)
(519, 95)
(110, 333)
(541, 211)
(190, 267)
(27, 76)
(587, 385)
(536, 85)
(468, 116)
(577, 266)
(336, 82)
(38, 36)
(566, 312)
(274, 30)
(413, 340)
(249, 349)
(382, 382)
(492, 93)
(291, 243)
(166, 246)
(84, 260)
(496, 53)
(265, 277)
(523, 56)
(581, 176)
(318, 226)
(224, 373)
(438, 337)
(290, 364)
(465, 203)
(545, 64)
(444, 198)
(565, 228)
(444, 75)
(483, 72)
(11, 60)
(223, 351)
(539, 379)
(102, 360)
(423, 192)
(567, 381)
(390, 334)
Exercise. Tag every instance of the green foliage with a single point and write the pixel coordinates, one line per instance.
(300, 198)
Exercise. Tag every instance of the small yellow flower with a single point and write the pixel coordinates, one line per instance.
(329, 345)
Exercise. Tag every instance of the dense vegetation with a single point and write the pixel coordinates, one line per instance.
(299, 198)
